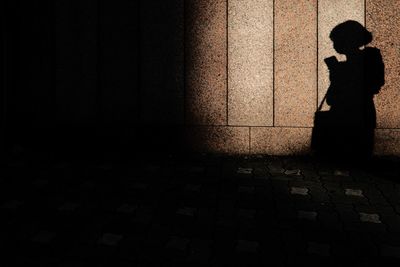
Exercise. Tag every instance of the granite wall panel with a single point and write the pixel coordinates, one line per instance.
(205, 62)
(280, 140)
(295, 62)
(276, 78)
(250, 65)
(330, 14)
(219, 139)
(383, 20)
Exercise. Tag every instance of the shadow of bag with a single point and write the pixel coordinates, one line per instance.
(321, 138)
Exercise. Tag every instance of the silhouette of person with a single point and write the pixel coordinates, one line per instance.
(353, 84)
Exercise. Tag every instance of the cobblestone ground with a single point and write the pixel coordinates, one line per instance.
(202, 211)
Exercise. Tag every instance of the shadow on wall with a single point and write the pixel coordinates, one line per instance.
(346, 131)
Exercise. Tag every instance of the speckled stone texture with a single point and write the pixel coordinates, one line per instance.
(295, 62)
(220, 139)
(383, 20)
(387, 142)
(162, 79)
(205, 62)
(330, 14)
(250, 66)
(280, 140)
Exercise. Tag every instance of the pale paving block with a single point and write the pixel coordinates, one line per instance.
(341, 173)
(187, 211)
(293, 172)
(299, 191)
(110, 239)
(369, 217)
(241, 170)
(354, 192)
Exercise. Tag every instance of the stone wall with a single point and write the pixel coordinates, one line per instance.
(255, 72)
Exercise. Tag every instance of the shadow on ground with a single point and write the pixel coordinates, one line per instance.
(201, 211)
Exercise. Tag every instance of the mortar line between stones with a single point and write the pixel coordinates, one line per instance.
(184, 62)
(227, 62)
(273, 63)
(249, 140)
(317, 65)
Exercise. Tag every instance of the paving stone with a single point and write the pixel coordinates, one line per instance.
(12, 204)
(110, 239)
(40, 182)
(247, 214)
(200, 250)
(299, 191)
(295, 172)
(44, 237)
(319, 249)
(275, 169)
(186, 211)
(177, 243)
(196, 169)
(312, 174)
(307, 215)
(241, 170)
(143, 215)
(247, 246)
(368, 217)
(354, 192)
(390, 251)
(126, 208)
(341, 173)
(139, 186)
(69, 206)
(193, 188)
(246, 189)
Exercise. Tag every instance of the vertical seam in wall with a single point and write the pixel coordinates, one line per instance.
(317, 65)
(99, 94)
(184, 62)
(249, 140)
(365, 13)
(5, 35)
(139, 60)
(273, 62)
(227, 62)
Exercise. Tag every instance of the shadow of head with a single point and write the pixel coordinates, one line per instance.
(349, 36)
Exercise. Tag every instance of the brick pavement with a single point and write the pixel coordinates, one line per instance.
(201, 211)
